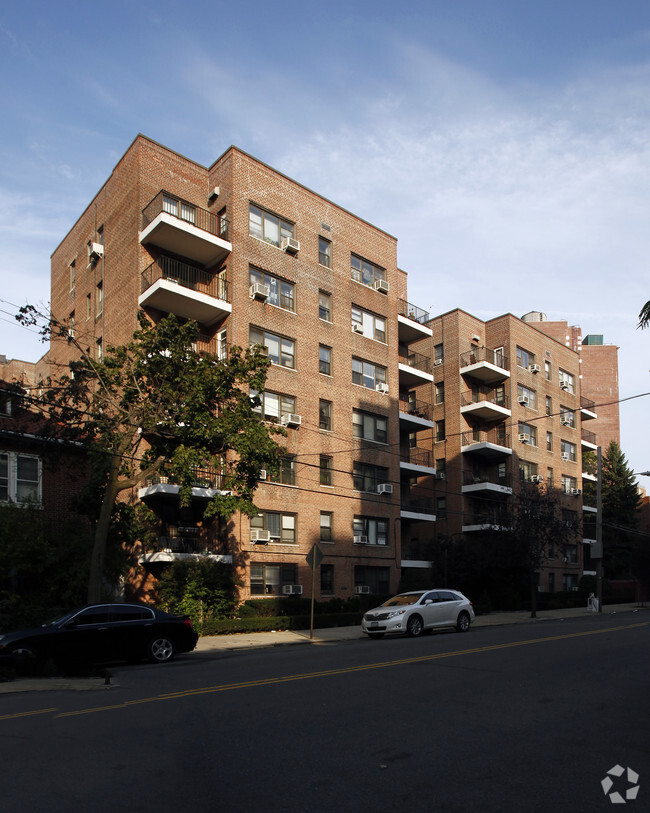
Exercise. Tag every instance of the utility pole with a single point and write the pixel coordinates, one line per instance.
(599, 532)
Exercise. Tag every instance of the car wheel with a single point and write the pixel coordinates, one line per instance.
(462, 625)
(375, 635)
(414, 627)
(160, 649)
(24, 659)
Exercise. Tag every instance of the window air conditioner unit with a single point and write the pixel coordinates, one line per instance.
(290, 245)
(262, 474)
(565, 422)
(382, 285)
(523, 437)
(534, 368)
(362, 589)
(441, 475)
(564, 456)
(576, 492)
(360, 540)
(357, 328)
(523, 400)
(95, 251)
(382, 388)
(564, 385)
(476, 338)
(437, 362)
(536, 478)
(385, 488)
(291, 420)
(259, 291)
(292, 589)
(260, 536)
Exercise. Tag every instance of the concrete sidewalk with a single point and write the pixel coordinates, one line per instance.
(331, 635)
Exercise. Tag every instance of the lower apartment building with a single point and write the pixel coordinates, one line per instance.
(399, 426)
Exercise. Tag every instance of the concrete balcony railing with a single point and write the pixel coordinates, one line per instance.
(181, 227)
(483, 364)
(173, 286)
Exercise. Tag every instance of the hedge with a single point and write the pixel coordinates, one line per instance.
(274, 623)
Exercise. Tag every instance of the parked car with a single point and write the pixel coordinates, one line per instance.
(101, 633)
(419, 611)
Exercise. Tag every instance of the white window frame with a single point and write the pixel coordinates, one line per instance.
(10, 482)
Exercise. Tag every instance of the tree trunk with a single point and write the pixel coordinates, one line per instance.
(96, 575)
(533, 596)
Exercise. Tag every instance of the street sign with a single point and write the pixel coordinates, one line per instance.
(314, 557)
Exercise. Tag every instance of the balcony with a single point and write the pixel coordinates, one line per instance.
(172, 286)
(419, 461)
(482, 522)
(485, 365)
(207, 485)
(488, 405)
(486, 443)
(587, 408)
(417, 553)
(175, 225)
(417, 508)
(411, 322)
(178, 543)
(414, 368)
(486, 481)
(588, 440)
(415, 415)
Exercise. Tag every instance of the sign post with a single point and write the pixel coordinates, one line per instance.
(314, 558)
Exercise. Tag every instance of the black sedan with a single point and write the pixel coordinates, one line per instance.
(100, 633)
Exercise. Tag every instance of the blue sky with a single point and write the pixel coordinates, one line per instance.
(505, 143)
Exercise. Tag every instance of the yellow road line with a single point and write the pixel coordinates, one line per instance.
(344, 670)
(26, 714)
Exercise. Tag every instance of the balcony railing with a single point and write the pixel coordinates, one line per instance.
(203, 478)
(484, 520)
(587, 403)
(186, 275)
(489, 396)
(479, 354)
(496, 436)
(419, 409)
(588, 436)
(416, 360)
(471, 478)
(417, 550)
(412, 312)
(418, 457)
(419, 505)
(187, 212)
(179, 539)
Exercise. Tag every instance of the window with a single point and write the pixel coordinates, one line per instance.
(376, 578)
(374, 529)
(366, 273)
(441, 465)
(281, 350)
(569, 581)
(441, 508)
(268, 227)
(547, 370)
(439, 431)
(367, 374)
(286, 475)
(438, 354)
(527, 470)
(549, 405)
(282, 527)
(324, 252)
(366, 477)
(526, 396)
(326, 523)
(99, 299)
(71, 324)
(325, 415)
(327, 580)
(567, 417)
(567, 381)
(367, 426)
(374, 327)
(325, 306)
(5, 404)
(568, 450)
(530, 431)
(179, 208)
(223, 223)
(281, 293)
(324, 359)
(99, 344)
(569, 484)
(549, 477)
(273, 405)
(89, 308)
(268, 580)
(325, 470)
(439, 393)
(524, 357)
(20, 477)
(73, 274)
(549, 441)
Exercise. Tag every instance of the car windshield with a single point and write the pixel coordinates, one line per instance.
(60, 619)
(401, 601)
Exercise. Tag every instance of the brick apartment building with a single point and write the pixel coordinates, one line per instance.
(400, 427)
(255, 257)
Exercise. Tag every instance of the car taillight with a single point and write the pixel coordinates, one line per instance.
(187, 622)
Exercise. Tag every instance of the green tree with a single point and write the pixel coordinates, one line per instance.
(154, 404)
(621, 503)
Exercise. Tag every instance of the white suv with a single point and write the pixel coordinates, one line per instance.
(419, 611)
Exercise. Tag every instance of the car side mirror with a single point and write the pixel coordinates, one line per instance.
(428, 601)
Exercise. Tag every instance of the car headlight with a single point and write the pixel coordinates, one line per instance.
(396, 612)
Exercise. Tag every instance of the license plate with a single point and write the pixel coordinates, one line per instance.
(374, 623)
